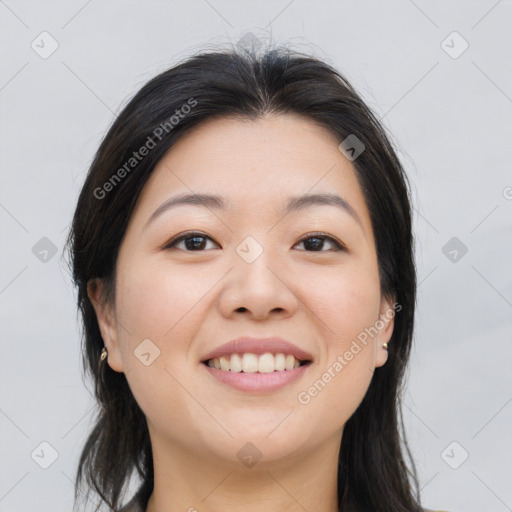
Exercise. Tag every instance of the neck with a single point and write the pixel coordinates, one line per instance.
(190, 481)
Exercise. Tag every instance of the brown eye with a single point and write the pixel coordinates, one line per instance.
(193, 242)
(316, 242)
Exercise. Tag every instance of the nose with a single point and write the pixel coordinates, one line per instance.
(259, 290)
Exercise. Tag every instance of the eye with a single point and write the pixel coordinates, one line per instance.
(193, 242)
(316, 241)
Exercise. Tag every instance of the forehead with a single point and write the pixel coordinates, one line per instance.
(255, 164)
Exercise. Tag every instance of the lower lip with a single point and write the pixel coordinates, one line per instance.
(257, 382)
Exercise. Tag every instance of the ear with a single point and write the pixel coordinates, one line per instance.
(105, 315)
(387, 322)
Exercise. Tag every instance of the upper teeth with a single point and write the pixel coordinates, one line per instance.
(252, 363)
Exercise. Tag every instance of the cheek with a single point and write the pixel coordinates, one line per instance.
(354, 316)
(347, 305)
(345, 300)
(157, 304)
(154, 300)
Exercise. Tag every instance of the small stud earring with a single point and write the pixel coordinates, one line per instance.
(103, 354)
(385, 345)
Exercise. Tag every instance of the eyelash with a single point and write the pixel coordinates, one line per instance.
(194, 234)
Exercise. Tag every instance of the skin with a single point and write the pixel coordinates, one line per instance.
(188, 302)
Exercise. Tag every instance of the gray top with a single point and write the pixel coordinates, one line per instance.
(132, 506)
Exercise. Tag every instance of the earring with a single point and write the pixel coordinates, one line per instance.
(103, 354)
(385, 345)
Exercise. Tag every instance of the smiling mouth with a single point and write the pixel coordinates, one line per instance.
(254, 363)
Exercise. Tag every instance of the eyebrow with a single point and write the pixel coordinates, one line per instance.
(292, 205)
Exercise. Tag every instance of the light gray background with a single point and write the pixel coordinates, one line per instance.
(450, 119)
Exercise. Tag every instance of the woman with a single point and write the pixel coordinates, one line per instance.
(243, 254)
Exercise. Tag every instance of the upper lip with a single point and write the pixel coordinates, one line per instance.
(258, 346)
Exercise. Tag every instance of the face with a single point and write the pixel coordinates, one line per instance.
(195, 276)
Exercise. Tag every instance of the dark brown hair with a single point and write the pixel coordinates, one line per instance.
(373, 474)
